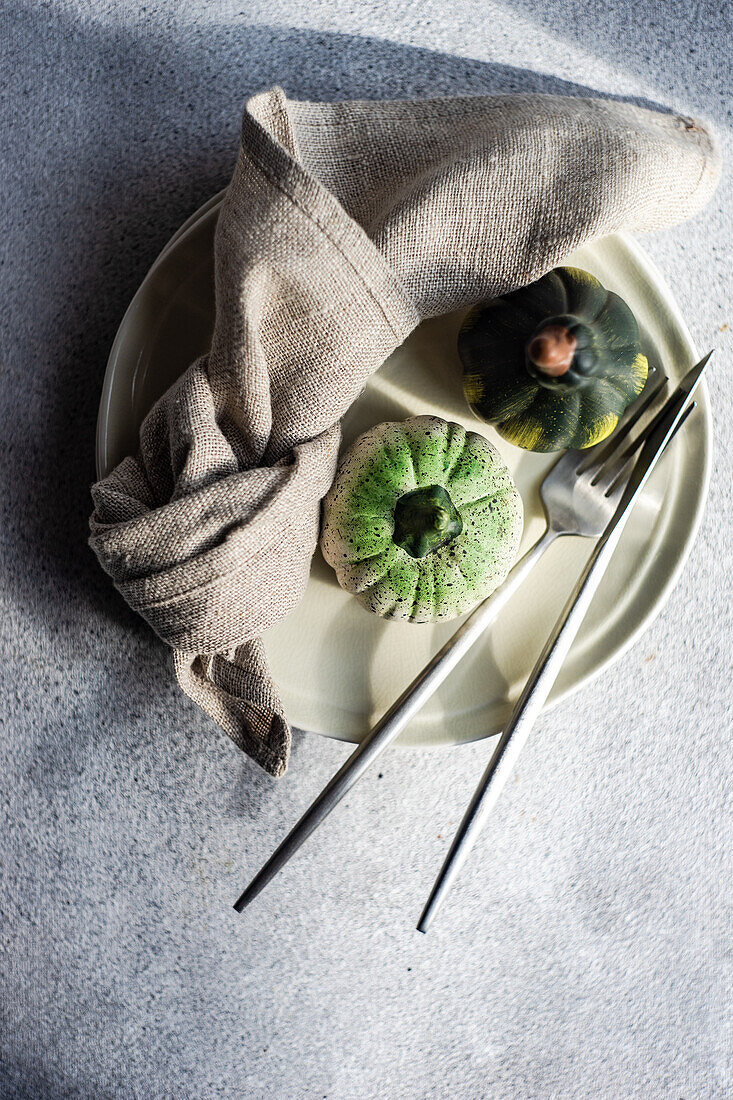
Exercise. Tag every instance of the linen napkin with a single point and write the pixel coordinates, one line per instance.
(344, 225)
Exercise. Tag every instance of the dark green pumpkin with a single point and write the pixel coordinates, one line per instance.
(554, 364)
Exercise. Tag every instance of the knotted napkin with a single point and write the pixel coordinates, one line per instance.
(344, 225)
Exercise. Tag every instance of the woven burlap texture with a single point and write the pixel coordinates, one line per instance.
(343, 226)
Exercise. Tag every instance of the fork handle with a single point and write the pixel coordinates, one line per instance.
(391, 724)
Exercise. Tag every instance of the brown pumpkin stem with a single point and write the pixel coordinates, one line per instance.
(552, 350)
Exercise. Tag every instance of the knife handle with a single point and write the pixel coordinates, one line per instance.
(527, 710)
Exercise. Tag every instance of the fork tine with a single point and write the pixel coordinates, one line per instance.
(612, 465)
(612, 469)
(598, 458)
(617, 486)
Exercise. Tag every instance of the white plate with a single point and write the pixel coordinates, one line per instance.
(338, 667)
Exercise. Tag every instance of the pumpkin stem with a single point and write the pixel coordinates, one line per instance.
(424, 520)
(552, 350)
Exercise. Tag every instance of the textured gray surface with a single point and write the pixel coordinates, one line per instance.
(587, 951)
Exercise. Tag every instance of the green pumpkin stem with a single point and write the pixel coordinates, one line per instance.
(424, 520)
(552, 350)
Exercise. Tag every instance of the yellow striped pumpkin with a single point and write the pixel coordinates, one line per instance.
(554, 364)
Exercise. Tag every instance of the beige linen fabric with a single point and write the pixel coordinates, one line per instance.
(344, 225)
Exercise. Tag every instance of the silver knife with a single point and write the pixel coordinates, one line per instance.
(545, 672)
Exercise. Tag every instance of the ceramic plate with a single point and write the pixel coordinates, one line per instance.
(337, 666)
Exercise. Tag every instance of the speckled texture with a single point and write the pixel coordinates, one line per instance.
(382, 466)
(586, 952)
(576, 409)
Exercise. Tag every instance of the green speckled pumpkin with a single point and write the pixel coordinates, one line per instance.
(554, 364)
(422, 521)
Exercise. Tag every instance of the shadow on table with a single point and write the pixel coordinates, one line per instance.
(27, 1079)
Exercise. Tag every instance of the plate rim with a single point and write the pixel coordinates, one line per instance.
(654, 277)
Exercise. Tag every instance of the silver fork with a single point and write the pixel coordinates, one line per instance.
(580, 495)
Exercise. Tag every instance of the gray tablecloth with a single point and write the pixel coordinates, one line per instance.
(586, 952)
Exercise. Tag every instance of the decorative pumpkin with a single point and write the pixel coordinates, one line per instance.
(422, 521)
(554, 364)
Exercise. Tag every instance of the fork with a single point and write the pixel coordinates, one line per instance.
(579, 495)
